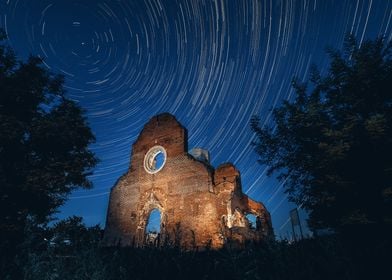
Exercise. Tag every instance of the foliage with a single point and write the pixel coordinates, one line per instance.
(72, 231)
(83, 258)
(332, 144)
(44, 141)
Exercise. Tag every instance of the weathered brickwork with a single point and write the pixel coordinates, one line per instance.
(200, 206)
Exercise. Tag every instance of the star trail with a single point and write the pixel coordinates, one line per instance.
(213, 64)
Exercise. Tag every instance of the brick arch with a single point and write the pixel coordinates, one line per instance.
(148, 204)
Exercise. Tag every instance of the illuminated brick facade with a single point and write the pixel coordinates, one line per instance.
(200, 206)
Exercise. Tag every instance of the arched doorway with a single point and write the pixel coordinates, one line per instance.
(153, 227)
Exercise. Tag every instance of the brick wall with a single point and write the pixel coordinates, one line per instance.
(200, 206)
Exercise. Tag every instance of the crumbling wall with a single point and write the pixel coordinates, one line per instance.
(199, 206)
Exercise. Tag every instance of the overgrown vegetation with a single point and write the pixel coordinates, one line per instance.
(69, 250)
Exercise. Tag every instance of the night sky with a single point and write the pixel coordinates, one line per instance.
(213, 64)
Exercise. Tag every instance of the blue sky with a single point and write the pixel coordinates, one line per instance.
(213, 64)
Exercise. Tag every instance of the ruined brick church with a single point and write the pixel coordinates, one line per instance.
(199, 206)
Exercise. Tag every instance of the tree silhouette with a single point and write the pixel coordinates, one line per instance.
(332, 145)
(44, 141)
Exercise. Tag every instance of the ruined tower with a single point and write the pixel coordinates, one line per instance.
(199, 206)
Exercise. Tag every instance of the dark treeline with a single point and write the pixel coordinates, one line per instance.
(331, 145)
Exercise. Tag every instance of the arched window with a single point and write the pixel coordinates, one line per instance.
(154, 222)
(252, 219)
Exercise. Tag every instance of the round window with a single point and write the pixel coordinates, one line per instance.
(155, 159)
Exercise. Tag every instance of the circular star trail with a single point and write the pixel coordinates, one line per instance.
(213, 64)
